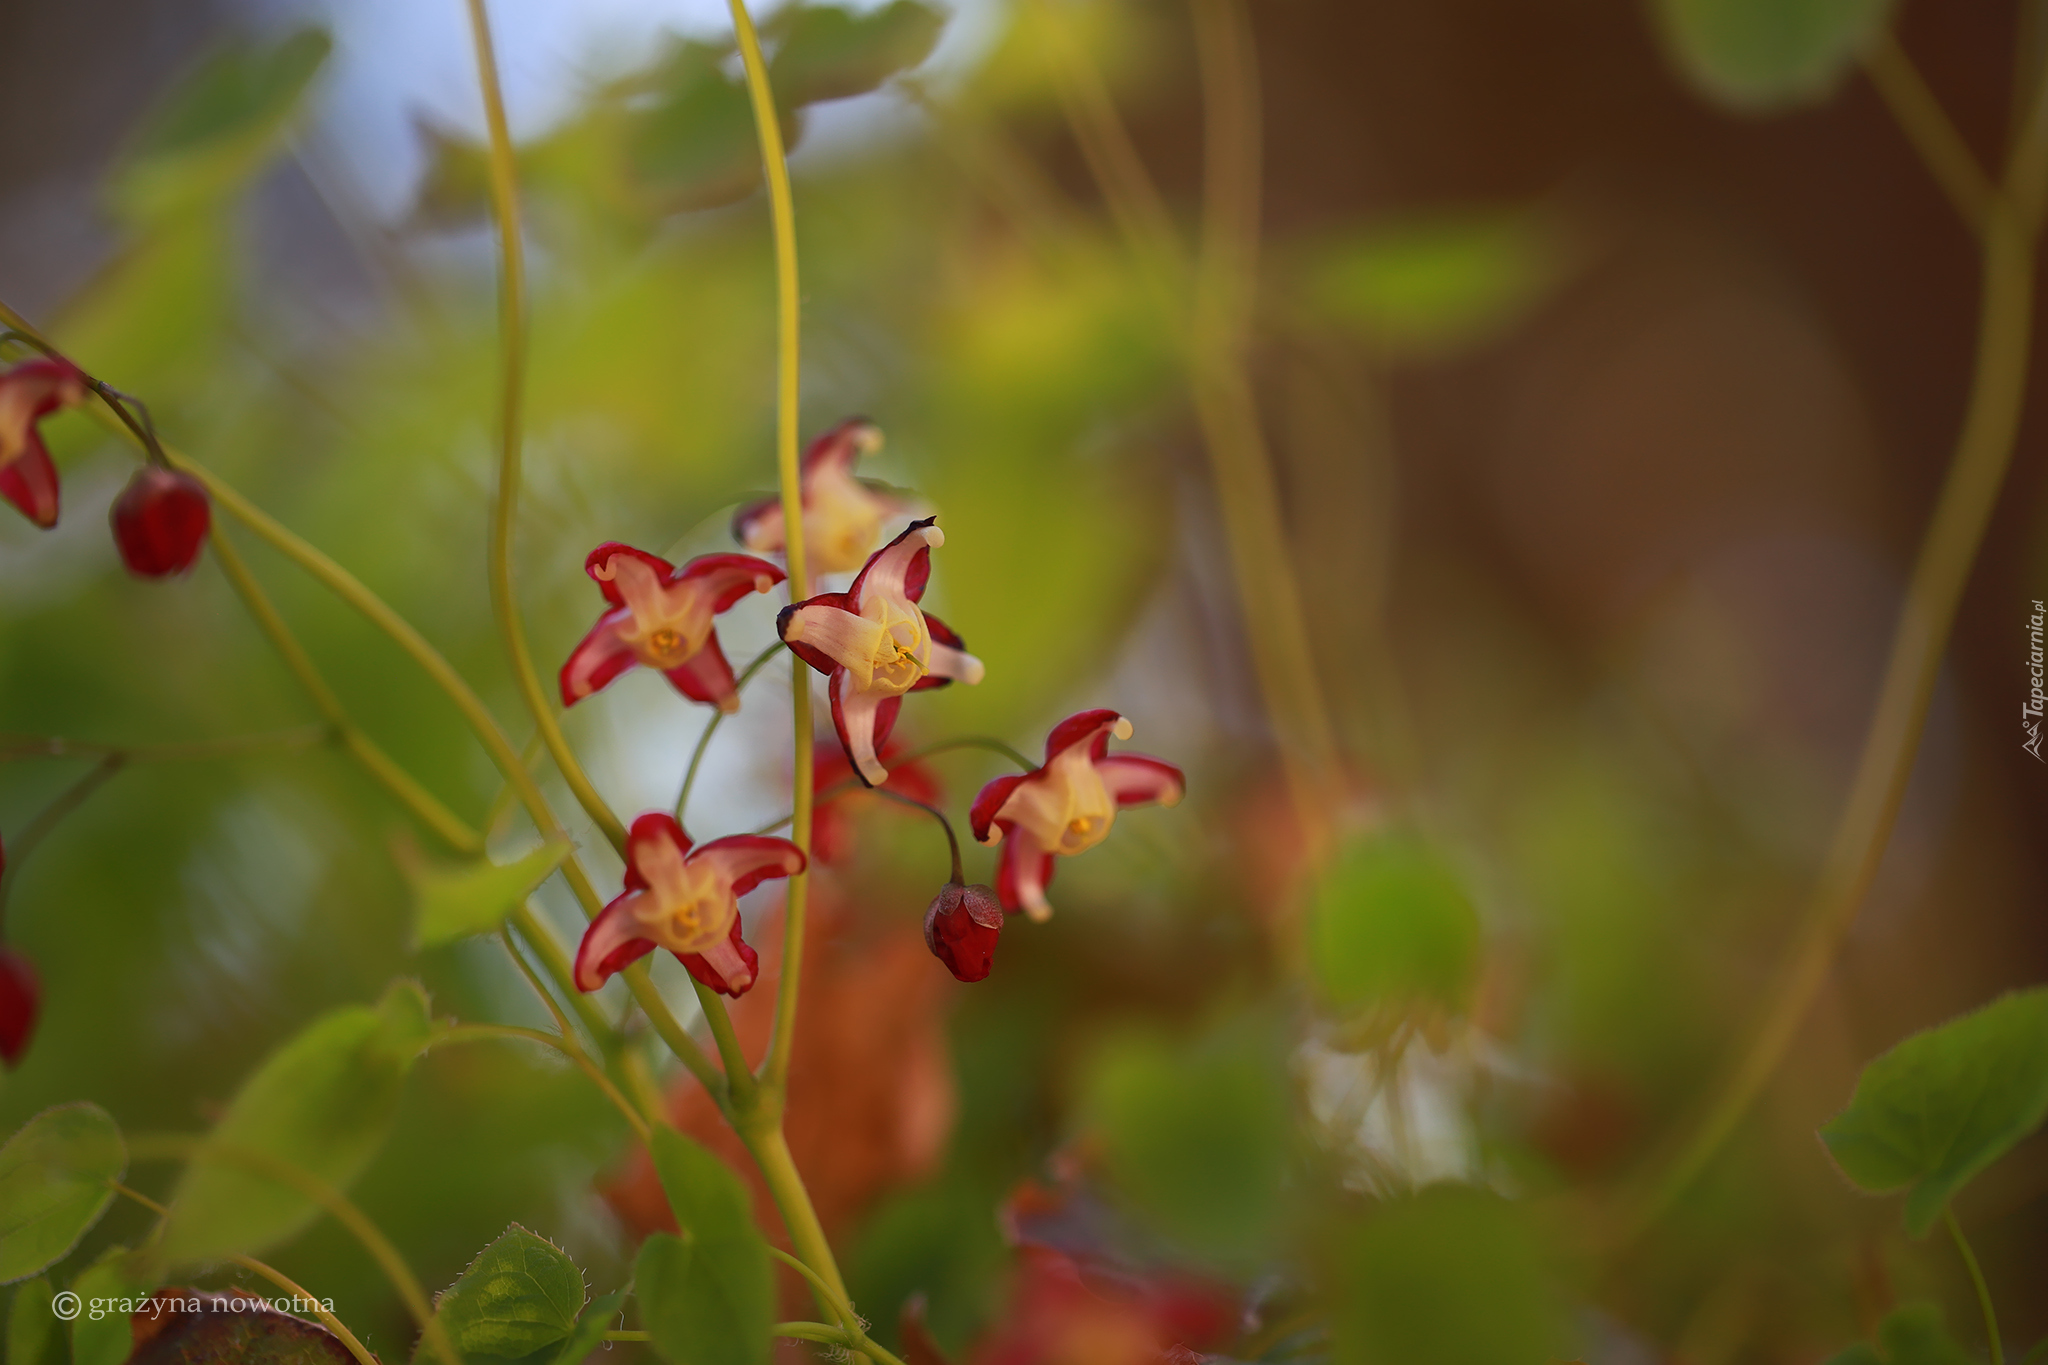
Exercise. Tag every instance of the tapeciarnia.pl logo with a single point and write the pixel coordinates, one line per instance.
(2030, 711)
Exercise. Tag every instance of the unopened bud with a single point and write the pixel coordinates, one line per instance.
(159, 522)
(961, 929)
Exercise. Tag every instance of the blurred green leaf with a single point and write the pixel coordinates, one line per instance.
(1390, 923)
(32, 1335)
(323, 1102)
(590, 1328)
(103, 1336)
(708, 1296)
(829, 53)
(455, 901)
(1429, 285)
(521, 1293)
(220, 125)
(1911, 1334)
(1195, 1135)
(1452, 1276)
(56, 1179)
(1946, 1103)
(1760, 54)
(694, 147)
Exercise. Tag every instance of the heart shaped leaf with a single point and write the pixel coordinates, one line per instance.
(56, 1178)
(521, 1293)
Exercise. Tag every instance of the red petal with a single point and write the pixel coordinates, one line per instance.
(842, 445)
(1089, 727)
(728, 578)
(1135, 780)
(610, 944)
(706, 676)
(160, 521)
(1021, 861)
(29, 481)
(747, 860)
(21, 997)
(824, 663)
(941, 634)
(598, 660)
(602, 556)
(916, 573)
(991, 800)
(749, 518)
(701, 968)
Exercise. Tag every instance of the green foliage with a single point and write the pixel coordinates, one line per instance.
(1452, 1276)
(590, 1329)
(1390, 923)
(1945, 1103)
(1195, 1135)
(1428, 285)
(1911, 1334)
(323, 1103)
(1762, 54)
(106, 1339)
(56, 1179)
(32, 1335)
(455, 901)
(707, 1296)
(824, 52)
(219, 126)
(520, 1294)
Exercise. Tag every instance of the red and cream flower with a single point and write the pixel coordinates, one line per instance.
(876, 644)
(661, 616)
(30, 392)
(686, 900)
(1067, 806)
(842, 514)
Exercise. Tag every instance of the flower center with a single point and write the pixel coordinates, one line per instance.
(665, 641)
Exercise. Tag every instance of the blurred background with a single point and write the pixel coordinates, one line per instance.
(1606, 422)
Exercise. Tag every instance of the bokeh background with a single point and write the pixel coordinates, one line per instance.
(1606, 420)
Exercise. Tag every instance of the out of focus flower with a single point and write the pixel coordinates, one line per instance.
(21, 996)
(876, 643)
(661, 616)
(842, 514)
(832, 821)
(1067, 806)
(1062, 1313)
(160, 521)
(30, 392)
(686, 900)
(961, 926)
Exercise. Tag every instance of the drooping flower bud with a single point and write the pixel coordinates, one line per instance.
(961, 928)
(20, 995)
(160, 521)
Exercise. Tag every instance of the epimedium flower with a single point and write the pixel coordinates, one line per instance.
(684, 899)
(961, 927)
(1067, 806)
(661, 616)
(160, 521)
(30, 392)
(842, 514)
(875, 644)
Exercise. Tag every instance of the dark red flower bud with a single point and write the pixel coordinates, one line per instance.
(961, 928)
(159, 521)
(20, 994)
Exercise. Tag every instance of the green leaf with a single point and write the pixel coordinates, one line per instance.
(1390, 923)
(1452, 1276)
(708, 1296)
(56, 1179)
(455, 901)
(1428, 285)
(521, 1293)
(101, 1333)
(694, 146)
(1911, 1334)
(323, 1102)
(32, 1335)
(1944, 1104)
(590, 1329)
(220, 125)
(829, 53)
(1763, 54)
(1195, 1135)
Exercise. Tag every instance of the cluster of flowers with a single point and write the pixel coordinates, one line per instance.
(875, 644)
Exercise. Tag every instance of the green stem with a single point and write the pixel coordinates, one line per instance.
(231, 746)
(850, 784)
(771, 1153)
(741, 1085)
(505, 507)
(1927, 126)
(564, 1044)
(952, 840)
(711, 728)
(1955, 1232)
(52, 815)
(840, 1306)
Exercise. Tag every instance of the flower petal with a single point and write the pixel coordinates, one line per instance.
(1023, 871)
(747, 860)
(826, 633)
(991, 800)
(1092, 728)
(863, 720)
(29, 481)
(900, 569)
(598, 565)
(728, 578)
(1135, 780)
(600, 658)
(706, 676)
(612, 942)
(655, 840)
(758, 525)
(728, 967)
(949, 661)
